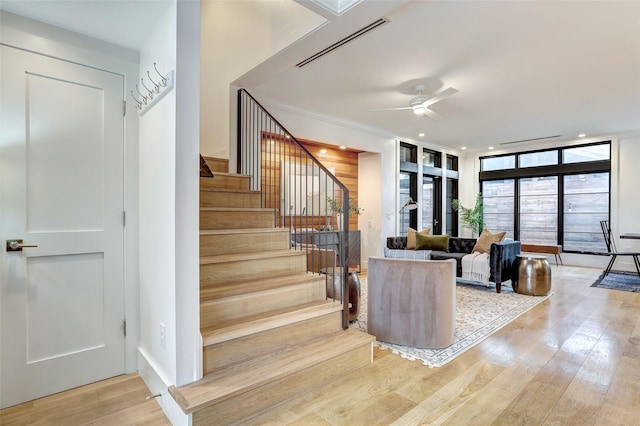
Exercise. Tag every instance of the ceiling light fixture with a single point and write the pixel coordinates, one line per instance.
(419, 109)
(420, 135)
(582, 135)
(343, 147)
(463, 148)
(490, 147)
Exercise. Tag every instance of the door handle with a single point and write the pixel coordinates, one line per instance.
(16, 245)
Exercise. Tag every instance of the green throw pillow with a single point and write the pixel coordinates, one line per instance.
(432, 242)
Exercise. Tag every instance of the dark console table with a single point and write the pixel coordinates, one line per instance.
(331, 240)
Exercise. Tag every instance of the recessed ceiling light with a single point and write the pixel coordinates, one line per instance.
(420, 134)
(582, 135)
(463, 148)
(323, 151)
(343, 147)
(490, 147)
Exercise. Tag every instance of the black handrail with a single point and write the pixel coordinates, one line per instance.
(305, 196)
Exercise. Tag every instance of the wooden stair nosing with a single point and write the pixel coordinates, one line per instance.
(236, 209)
(243, 231)
(257, 323)
(240, 378)
(238, 288)
(231, 175)
(241, 257)
(230, 190)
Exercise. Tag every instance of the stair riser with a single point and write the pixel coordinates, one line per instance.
(224, 181)
(237, 350)
(257, 400)
(231, 272)
(229, 199)
(236, 219)
(217, 164)
(230, 308)
(213, 245)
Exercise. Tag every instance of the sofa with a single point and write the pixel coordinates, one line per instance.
(501, 255)
(412, 302)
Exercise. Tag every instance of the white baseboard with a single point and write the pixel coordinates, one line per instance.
(159, 386)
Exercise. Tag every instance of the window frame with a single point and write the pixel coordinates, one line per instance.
(560, 170)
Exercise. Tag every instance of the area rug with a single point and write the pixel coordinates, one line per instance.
(619, 280)
(480, 312)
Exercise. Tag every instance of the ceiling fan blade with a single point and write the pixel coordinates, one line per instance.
(440, 96)
(432, 114)
(390, 109)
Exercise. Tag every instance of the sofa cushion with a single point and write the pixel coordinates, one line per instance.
(483, 245)
(407, 254)
(411, 237)
(432, 242)
(443, 255)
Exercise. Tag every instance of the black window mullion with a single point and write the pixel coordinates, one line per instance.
(516, 209)
(561, 210)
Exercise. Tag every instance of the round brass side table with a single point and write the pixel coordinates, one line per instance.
(531, 275)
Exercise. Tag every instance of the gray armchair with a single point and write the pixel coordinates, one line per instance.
(412, 302)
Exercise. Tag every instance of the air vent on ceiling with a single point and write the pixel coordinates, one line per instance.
(347, 39)
(531, 140)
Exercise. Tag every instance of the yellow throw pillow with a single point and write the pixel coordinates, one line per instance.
(411, 237)
(483, 245)
(432, 242)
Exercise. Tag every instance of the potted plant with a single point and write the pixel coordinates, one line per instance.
(471, 217)
(335, 206)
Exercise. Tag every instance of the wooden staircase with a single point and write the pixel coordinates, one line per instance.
(269, 332)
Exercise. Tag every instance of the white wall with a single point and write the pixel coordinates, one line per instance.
(169, 213)
(237, 35)
(157, 208)
(625, 203)
(55, 42)
(187, 224)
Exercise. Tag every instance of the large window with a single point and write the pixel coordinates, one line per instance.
(408, 216)
(586, 203)
(451, 171)
(424, 175)
(498, 206)
(431, 203)
(554, 196)
(408, 186)
(538, 210)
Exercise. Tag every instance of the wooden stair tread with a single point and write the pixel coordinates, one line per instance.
(240, 327)
(249, 375)
(237, 257)
(231, 174)
(236, 209)
(230, 190)
(238, 288)
(242, 231)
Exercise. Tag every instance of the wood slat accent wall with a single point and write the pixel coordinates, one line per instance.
(345, 163)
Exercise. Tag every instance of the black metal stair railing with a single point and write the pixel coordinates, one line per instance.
(305, 196)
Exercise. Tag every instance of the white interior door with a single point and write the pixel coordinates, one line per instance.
(61, 189)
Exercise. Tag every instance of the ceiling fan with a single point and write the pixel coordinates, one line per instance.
(420, 104)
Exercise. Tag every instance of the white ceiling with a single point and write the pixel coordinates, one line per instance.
(125, 23)
(523, 70)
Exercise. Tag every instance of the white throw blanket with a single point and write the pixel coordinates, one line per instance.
(475, 267)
